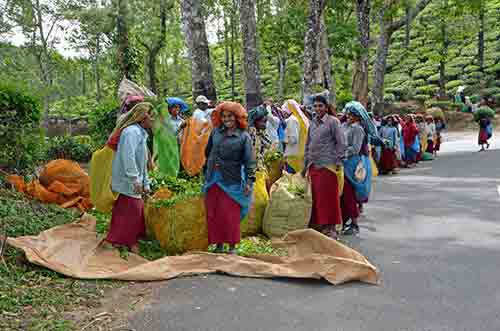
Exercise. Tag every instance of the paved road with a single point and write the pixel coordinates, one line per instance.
(433, 232)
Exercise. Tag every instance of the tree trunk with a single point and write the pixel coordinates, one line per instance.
(250, 54)
(407, 27)
(97, 74)
(199, 54)
(83, 80)
(226, 48)
(157, 46)
(282, 63)
(480, 37)
(326, 63)
(443, 57)
(233, 37)
(379, 70)
(311, 57)
(123, 42)
(360, 77)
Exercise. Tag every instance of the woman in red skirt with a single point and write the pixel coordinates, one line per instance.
(389, 133)
(130, 177)
(229, 175)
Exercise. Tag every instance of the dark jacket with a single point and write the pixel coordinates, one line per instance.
(228, 153)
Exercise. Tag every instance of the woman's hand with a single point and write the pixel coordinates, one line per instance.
(138, 188)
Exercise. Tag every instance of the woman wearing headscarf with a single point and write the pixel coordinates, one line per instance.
(430, 130)
(257, 128)
(411, 140)
(389, 134)
(130, 176)
(297, 125)
(128, 103)
(357, 166)
(229, 175)
(422, 134)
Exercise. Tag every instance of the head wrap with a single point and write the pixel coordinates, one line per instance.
(357, 109)
(173, 101)
(233, 107)
(128, 101)
(256, 114)
(293, 107)
(135, 115)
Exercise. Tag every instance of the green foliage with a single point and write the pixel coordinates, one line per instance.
(422, 98)
(102, 121)
(389, 98)
(423, 73)
(428, 89)
(471, 68)
(454, 84)
(484, 112)
(434, 78)
(493, 69)
(73, 107)
(490, 91)
(21, 137)
(444, 105)
(475, 98)
(69, 148)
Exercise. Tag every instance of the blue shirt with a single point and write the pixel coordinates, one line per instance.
(130, 161)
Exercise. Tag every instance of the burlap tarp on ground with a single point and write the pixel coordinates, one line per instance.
(74, 250)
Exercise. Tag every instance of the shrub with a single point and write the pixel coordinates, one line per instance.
(475, 98)
(69, 148)
(428, 89)
(73, 107)
(494, 69)
(103, 120)
(20, 134)
(434, 78)
(423, 73)
(476, 75)
(453, 84)
(490, 91)
(419, 82)
(471, 68)
(422, 98)
(389, 98)
(445, 105)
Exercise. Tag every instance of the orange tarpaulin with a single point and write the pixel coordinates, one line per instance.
(193, 143)
(61, 182)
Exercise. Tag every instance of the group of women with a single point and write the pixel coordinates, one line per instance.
(408, 140)
(235, 155)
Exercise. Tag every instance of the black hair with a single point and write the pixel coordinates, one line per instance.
(322, 99)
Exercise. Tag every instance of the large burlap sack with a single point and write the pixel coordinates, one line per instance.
(101, 166)
(252, 224)
(179, 227)
(287, 210)
(128, 88)
(274, 171)
(193, 143)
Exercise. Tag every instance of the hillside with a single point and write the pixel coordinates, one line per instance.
(413, 72)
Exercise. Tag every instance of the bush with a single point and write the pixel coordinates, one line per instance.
(475, 98)
(70, 148)
(476, 75)
(490, 91)
(419, 82)
(73, 107)
(20, 134)
(423, 73)
(389, 98)
(434, 78)
(428, 89)
(453, 84)
(445, 105)
(459, 62)
(422, 98)
(102, 121)
(471, 68)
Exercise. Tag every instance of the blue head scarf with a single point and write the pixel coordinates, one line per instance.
(255, 114)
(172, 101)
(359, 111)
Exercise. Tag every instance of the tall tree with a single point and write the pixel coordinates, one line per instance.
(325, 57)
(39, 20)
(480, 35)
(122, 29)
(387, 28)
(360, 77)
(250, 54)
(311, 59)
(197, 44)
(445, 44)
(153, 34)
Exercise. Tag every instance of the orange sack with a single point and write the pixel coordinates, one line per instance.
(193, 143)
(61, 182)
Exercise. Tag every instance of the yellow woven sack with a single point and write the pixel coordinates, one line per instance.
(101, 168)
(374, 167)
(252, 224)
(288, 210)
(180, 227)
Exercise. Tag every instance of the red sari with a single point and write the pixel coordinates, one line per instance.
(127, 222)
(349, 203)
(223, 217)
(388, 161)
(325, 193)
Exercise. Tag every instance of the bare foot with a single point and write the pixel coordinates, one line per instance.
(135, 249)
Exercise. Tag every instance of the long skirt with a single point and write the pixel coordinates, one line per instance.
(326, 200)
(411, 155)
(437, 146)
(127, 222)
(388, 161)
(223, 217)
(430, 146)
(483, 137)
(349, 203)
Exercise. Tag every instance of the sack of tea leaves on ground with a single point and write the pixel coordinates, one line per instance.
(289, 207)
(252, 224)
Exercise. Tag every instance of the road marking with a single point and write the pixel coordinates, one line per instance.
(498, 189)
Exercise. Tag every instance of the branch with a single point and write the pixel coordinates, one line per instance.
(412, 15)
